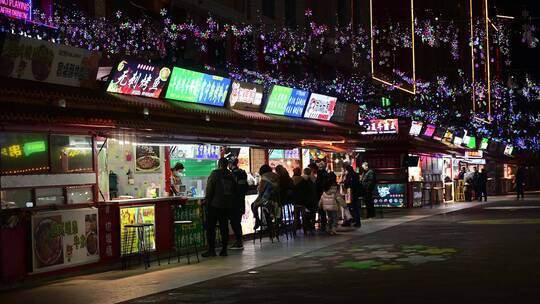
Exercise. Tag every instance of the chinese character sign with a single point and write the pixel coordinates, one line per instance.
(64, 238)
(18, 9)
(23, 152)
(195, 87)
(286, 101)
(345, 113)
(139, 79)
(207, 152)
(380, 126)
(38, 60)
(320, 107)
(245, 96)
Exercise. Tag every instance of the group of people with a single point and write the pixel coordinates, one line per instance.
(475, 183)
(312, 191)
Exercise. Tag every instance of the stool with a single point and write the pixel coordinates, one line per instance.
(182, 241)
(143, 233)
(267, 223)
(287, 220)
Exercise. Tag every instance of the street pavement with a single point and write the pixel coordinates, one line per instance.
(486, 254)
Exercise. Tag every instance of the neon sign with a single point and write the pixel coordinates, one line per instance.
(16, 9)
(16, 151)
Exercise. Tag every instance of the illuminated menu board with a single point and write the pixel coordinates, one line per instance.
(416, 128)
(472, 143)
(138, 79)
(380, 126)
(320, 107)
(439, 133)
(245, 96)
(196, 87)
(286, 101)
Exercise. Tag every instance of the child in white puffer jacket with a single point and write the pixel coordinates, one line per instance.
(330, 202)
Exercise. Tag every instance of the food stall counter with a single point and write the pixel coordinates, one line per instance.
(161, 212)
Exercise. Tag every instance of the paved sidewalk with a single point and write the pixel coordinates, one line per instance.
(117, 286)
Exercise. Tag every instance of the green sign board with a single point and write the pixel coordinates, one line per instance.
(472, 143)
(192, 234)
(196, 87)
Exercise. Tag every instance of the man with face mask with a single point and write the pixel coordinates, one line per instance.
(176, 181)
(368, 185)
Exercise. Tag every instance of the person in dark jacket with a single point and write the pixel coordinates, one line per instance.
(368, 185)
(476, 183)
(520, 182)
(239, 206)
(352, 182)
(220, 196)
(322, 176)
(304, 197)
(482, 185)
(268, 190)
(285, 185)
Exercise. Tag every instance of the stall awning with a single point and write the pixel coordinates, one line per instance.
(36, 105)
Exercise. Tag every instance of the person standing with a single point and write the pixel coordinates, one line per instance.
(520, 182)
(239, 206)
(368, 181)
(482, 185)
(220, 196)
(352, 183)
(304, 194)
(476, 183)
(322, 175)
(330, 202)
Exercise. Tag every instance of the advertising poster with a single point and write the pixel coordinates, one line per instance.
(196, 87)
(64, 238)
(147, 159)
(135, 215)
(508, 150)
(380, 126)
(320, 107)
(286, 101)
(138, 79)
(390, 195)
(416, 128)
(245, 96)
(38, 60)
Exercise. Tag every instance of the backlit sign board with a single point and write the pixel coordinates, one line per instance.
(320, 107)
(18, 9)
(430, 129)
(138, 79)
(286, 101)
(196, 87)
(380, 126)
(416, 128)
(484, 144)
(245, 96)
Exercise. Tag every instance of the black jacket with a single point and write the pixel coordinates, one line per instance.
(221, 189)
(242, 186)
(305, 193)
(368, 181)
(353, 182)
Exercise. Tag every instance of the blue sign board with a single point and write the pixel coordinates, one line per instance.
(207, 152)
